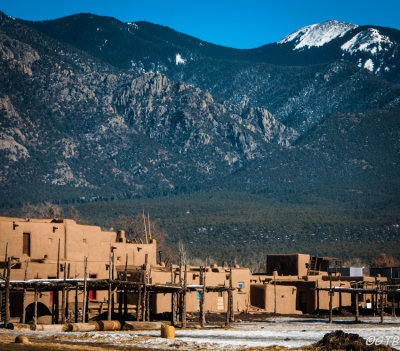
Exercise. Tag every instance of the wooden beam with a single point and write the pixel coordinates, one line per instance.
(230, 296)
(330, 299)
(7, 288)
(382, 303)
(126, 290)
(63, 296)
(84, 290)
(67, 296)
(184, 321)
(35, 309)
(24, 294)
(109, 285)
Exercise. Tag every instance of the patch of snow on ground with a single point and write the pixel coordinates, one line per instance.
(179, 60)
(369, 40)
(369, 65)
(282, 331)
(318, 34)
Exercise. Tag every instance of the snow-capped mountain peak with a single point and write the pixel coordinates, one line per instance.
(370, 40)
(317, 34)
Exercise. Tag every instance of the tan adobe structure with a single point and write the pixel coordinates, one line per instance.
(42, 241)
(215, 276)
(292, 283)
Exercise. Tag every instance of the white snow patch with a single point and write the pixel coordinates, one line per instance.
(318, 34)
(369, 40)
(369, 65)
(282, 331)
(179, 60)
(133, 25)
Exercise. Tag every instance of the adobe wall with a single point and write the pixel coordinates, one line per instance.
(76, 242)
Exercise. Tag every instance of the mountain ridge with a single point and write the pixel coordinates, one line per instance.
(93, 127)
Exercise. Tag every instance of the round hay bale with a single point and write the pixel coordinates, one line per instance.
(22, 339)
(167, 331)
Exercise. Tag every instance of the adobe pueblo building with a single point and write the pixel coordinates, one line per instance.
(50, 251)
(58, 270)
(300, 283)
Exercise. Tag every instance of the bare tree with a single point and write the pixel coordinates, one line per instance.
(384, 260)
(46, 210)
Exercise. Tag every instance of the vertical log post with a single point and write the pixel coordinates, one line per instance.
(35, 310)
(202, 297)
(382, 304)
(184, 299)
(139, 304)
(330, 299)
(4, 277)
(126, 290)
(173, 302)
(63, 295)
(67, 296)
(230, 295)
(76, 303)
(144, 297)
(317, 298)
(357, 316)
(24, 295)
(393, 305)
(148, 306)
(373, 304)
(56, 292)
(7, 288)
(109, 285)
(84, 290)
(112, 277)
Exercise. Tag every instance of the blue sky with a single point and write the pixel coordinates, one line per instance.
(239, 24)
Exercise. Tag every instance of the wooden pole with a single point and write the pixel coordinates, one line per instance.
(148, 306)
(373, 304)
(173, 298)
(393, 305)
(230, 295)
(67, 296)
(35, 309)
(5, 260)
(274, 294)
(317, 298)
(382, 304)
(63, 296)
(357, 316)
(76, 304)
(24, 295)
(84, 290)
(126, 290)
(202, 297)
(139, 304)
(144, 297)
(184, 299)
(7, 288)
(109, 285)
(330, 300)
(55, 293)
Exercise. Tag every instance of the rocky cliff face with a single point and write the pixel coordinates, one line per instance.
(75, 125)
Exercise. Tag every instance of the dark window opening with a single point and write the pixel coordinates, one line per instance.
(26, 244)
